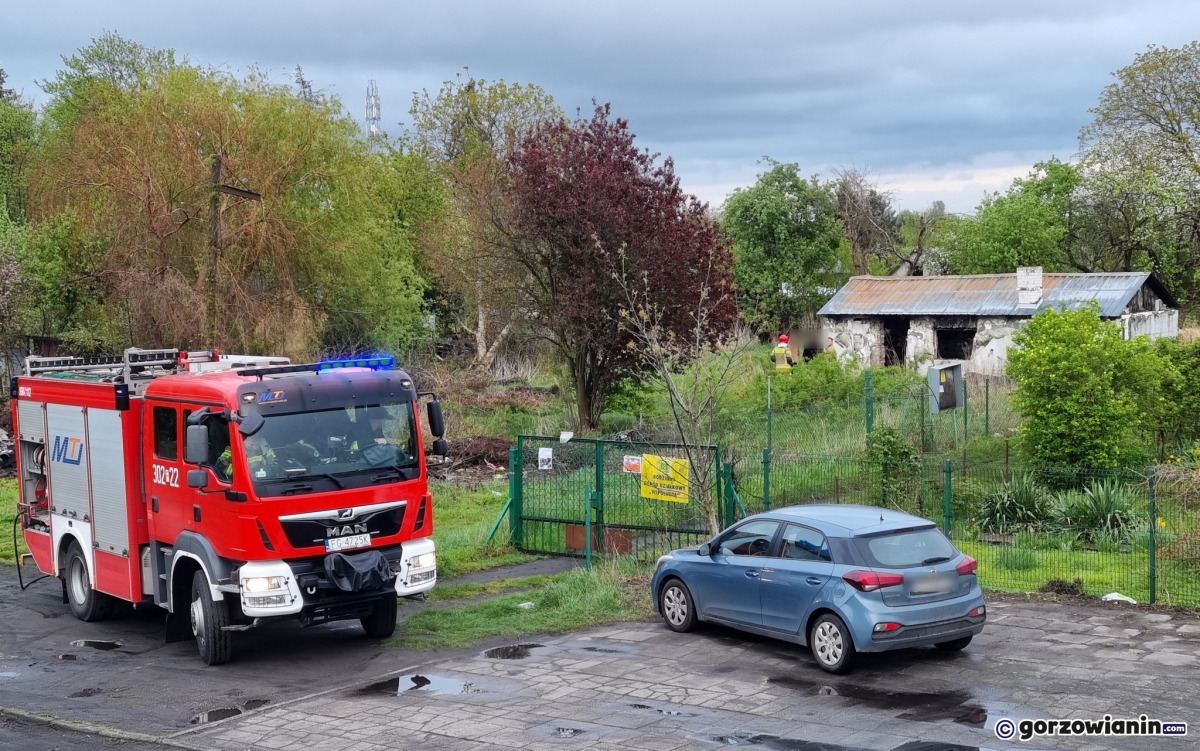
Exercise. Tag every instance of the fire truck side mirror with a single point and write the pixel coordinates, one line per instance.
(196, 446)
(437, 423)
(197, 478)
(440, 447)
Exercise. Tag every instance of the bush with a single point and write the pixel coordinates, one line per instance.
(1084, 390)
(1019, 505)
(900, 466)
(1103, 510)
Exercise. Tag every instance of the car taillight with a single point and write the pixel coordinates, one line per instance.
(977, 611)
(968, 565)
(869, 581)
(883, 628)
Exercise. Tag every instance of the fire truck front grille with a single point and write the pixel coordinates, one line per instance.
(305, 533)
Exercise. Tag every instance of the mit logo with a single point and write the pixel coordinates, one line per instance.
(67, 450)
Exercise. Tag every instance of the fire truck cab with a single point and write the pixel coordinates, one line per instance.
(227, 490)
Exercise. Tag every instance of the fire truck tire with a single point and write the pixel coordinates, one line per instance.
(209, 618)
(381, 623)
(86, 603)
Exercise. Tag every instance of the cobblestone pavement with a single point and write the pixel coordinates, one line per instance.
(640, 686)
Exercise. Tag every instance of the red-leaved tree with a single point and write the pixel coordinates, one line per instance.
(593, 208)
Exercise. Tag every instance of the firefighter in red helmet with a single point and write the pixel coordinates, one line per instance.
(782, 354)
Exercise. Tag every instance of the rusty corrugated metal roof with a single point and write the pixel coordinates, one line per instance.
(984, 294)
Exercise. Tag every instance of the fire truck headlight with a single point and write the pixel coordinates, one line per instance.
(263, 583)
(424, 560)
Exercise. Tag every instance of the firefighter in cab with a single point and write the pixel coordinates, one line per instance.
(782, 354)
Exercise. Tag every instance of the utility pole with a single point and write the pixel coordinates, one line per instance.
(214, 244)
(374, 132)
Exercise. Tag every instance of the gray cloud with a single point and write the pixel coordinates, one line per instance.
(930, 92)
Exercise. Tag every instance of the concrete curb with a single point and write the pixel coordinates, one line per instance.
(100, 730)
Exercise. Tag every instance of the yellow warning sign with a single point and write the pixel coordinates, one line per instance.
(665, 479)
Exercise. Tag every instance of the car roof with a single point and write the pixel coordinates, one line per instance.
(847, 520)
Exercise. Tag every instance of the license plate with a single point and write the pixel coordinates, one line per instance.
(347, 543)
(932, 585)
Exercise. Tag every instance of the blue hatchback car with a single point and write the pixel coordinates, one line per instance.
(840, 579)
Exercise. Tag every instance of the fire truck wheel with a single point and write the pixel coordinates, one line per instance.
(86, 603)
(381, 623)
(209, 617)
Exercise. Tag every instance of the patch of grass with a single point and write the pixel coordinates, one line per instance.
(8, 512)
(467, 590)
(461, 522)
(1017, 559)
(610, 592)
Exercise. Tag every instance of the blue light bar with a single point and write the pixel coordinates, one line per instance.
(383, 362)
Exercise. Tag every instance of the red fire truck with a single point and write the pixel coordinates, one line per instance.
(227, 490)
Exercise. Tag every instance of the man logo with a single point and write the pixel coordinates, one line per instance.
(67, 450)
(345, 513)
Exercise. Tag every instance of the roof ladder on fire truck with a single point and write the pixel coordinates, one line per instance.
(135, 367)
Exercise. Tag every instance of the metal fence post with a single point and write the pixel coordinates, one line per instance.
(599, 502)
(948, 499)
(516, 492)
(869, 399)
(587, 526)
(987, 407)
(1153, 493)
(766, 479)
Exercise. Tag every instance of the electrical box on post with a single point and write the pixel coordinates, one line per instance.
(945, 388)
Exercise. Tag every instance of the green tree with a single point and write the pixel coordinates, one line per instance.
(468, 130)
(1142, 155)
(788, 248)
(16, 140)
(128, 150)
(1084, 392)
(1031, 225)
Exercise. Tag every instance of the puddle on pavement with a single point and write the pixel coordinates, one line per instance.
(96, 644)
(602, 650)
(567, 732)
(958, 706)
(224, 713)
(511, 652)
(430, 684)
(665, 712)
(84, 693)
(65, 657)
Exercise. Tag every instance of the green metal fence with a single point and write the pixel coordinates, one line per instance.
(1061, 530)
(586, 496)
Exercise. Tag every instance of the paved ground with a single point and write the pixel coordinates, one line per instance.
(631, 686)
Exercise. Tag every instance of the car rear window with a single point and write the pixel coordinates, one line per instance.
(905, 549)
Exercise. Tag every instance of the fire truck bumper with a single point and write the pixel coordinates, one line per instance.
(277, 588)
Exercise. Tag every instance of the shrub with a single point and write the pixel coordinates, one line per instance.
(899, 464)
(1104, 509)
(1083, 390)
(1019, 505)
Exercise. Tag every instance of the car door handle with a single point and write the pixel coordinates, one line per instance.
(813, 580)
(752, 574)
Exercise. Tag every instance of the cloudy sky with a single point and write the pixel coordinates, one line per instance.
(935, 100)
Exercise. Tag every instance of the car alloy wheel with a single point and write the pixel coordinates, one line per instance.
(678, 609)
(831, 644)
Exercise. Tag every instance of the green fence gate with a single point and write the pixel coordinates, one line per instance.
(587, 496)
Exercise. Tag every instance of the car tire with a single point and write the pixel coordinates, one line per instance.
(954, 645)
(677, 606)
(209, 618)
(831, 644)
(381, 623)
(86, 603)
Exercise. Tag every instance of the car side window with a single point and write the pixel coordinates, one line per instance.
(751, 538)
(804, 544)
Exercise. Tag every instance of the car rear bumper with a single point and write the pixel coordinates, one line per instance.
(920, 625)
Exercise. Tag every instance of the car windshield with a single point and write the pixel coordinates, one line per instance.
(334, 445)
(906, 548)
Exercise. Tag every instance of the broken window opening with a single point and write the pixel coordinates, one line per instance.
(954, 344)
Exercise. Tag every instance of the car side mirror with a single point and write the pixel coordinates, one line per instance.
(197, 478)
(196, 446)
(437, 422)
(705, 549)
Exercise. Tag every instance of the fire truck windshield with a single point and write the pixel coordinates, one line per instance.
(342, 447)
